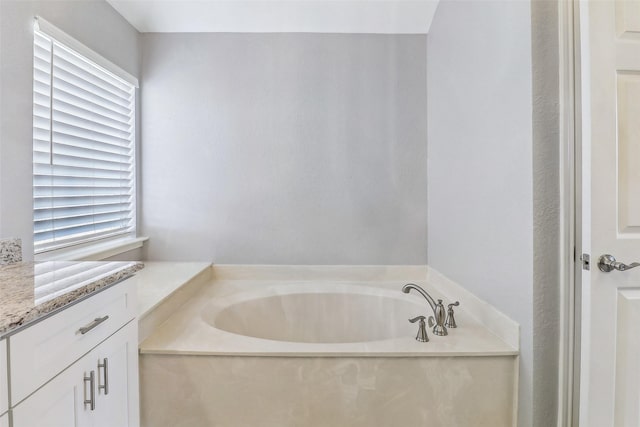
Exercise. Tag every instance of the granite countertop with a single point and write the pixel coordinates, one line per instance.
(31, 290)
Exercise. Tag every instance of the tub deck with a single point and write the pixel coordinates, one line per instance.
(187, 333)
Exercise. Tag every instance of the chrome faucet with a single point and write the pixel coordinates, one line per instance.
(438, 308)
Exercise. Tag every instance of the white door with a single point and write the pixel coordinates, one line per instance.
(610, 337)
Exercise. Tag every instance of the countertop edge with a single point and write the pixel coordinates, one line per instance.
(61, 302)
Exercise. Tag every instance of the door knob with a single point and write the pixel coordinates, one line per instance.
(607, 263)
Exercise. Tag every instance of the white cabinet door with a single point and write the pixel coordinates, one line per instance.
(60, 403)
(117, 393)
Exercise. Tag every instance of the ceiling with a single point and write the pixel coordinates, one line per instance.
(278, 16)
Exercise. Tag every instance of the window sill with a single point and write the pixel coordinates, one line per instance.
(94, 252)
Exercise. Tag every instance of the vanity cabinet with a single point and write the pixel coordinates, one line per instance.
(73, 399)
(42, 350)
(79, 367)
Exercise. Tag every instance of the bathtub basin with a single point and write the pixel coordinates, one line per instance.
(338, 315)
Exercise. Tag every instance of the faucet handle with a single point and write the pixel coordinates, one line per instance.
(422, 329)
(415, 319)
(422, 318)
(451, 321)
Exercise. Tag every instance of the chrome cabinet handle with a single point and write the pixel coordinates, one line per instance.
(91, 379)
(92, 325)
(607, 263)
(105, 385)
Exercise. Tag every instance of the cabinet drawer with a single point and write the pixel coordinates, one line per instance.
(4, 394)
(41, 351)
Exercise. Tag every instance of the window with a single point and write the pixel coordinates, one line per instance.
(83, 144)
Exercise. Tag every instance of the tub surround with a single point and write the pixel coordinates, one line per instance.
(159, 281)
(163, 287)
(321, 392)
(482, 312)
(190, 330)
(468, 378)
(482, 331)
(31, 291)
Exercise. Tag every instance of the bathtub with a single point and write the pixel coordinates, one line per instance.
(331, 314)
(317, 353)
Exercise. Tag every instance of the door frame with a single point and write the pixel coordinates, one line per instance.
(571, 179)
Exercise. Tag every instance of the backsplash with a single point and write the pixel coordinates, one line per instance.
(10, 250)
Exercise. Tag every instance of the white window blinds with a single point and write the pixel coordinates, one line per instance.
(83, 148)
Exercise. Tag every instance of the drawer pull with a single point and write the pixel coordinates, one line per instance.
(92, 325)
(105, 385)
(91, 379)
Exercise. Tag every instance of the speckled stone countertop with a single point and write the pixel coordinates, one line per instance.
(29, 291)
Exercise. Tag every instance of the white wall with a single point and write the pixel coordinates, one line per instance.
(480, 159)
(94, 23)
(284, 148)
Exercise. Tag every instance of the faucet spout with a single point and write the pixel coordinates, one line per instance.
(438, 309)
(407, 288)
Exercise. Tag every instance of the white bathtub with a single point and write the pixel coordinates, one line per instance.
(280, 353)
(327, 315)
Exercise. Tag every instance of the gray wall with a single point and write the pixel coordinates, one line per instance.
(94, 23)
(480, 160)
(546, 208)
(284, 148)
